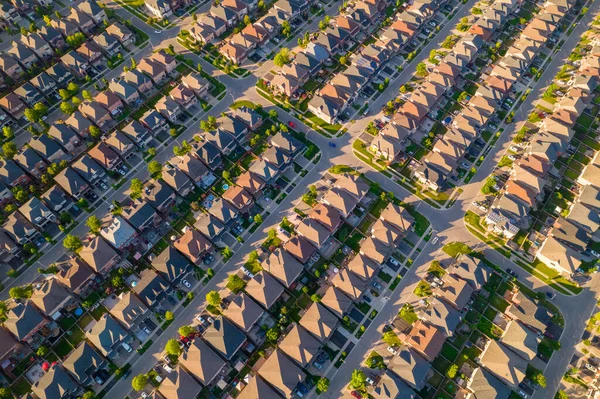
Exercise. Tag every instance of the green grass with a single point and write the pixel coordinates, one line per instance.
(378, 207)
(407, 313)
(456, 248)
(505, 162)
(76, 336)
(423, 289)
(21, 386)
(85, 320)
(449, 352)
(62, 348)
(98, 312)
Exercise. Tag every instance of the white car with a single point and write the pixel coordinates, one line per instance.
(158, 32)
(186, 283)
(512, 157)
(515, 149)
(127, 347)
(596, 254)
(392, 350)
(370, 381)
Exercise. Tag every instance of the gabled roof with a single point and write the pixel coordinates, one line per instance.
(282, 373)
(176, 178)
(375, 249)
(352, 285)
(238, 197)
(504, 363)
(265, 289)
(521, 340)
(300, 345)
(471, 270)
(128, 309)
(243, 311)
(426, 339)
(327, 216)
(300, 247)
(319, 321)
(411, 367)
(61, 132)
(561, 254)
(363, 266)
(56, 383)
(225, 337)
(106, 334)
(138, 213)
(209, 225)
(201, 361)
(336, 301)
(223, 211)
(22, 319)
(390, 386)
(442, 316)
(456, 291)
(341, 200)
(97, 253)
(250, 182)
(70, 181)
(83, 362)
(192, 244)
(49, 296)
(74, 274)
(150, 286)
(157, 193)
(283, 266)
(171, 264)
(486, 386)
(190, 165)
(257, 388)
(178, 384)
(313, 231)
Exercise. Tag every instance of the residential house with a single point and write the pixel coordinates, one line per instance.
(79, 123)
(184, 96)
(37, 213)
(29, 94)
(51, 298)
(224, 212)
(23, 54)
(24, 321)
(10, 67)
(126, 91)
(95, 112)
(314, 232)
(178, 181)
(105, 156)
(232, 127)
(192, 167)
(425, 339)
(56, 383)
(19, 229)
(506, 365)
(258, 388)
(98, 255)
(38, 45)
(363, 266)
(244, 312)
(251, 183)
(283, 267)
(138, 80)
(141, 215)
(89, 169)
(154, 70)
(159, 195)
(128, 309)
(319, 321)
(210, 226)
(111, 102)
(485, 385)
(57, 200)
(349, 283)
(83, 21)
(65, 26)
(210, 155)
(76, 63)
(197, 83)
(282, 373)
(13, 105)
(160, 9)
(456, 291)
(300, 346)
(234, 53)
(336, 301)
(559, 256)
(265, 289)
(390, 386)
(153, 121)
(300, 248)
(224, 337)
(193, 245)
(72, 183)
(178, 384)
(119, 143)
(84, 363)
(137, 133)
(151, 288)
(411, 367)
(202, 362)
(107, 335)
(67, 138)
(30, 161)
(472, 271)
(121, 33)
(172, 265)
(75, 275)
(168, 108)
(117, 232)
(239, 198)
(93, 9)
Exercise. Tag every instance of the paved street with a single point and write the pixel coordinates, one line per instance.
(447, 224)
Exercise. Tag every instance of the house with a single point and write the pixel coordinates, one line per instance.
(141, 215)
(385, 147)
(336, 301)
(312, 64)
(386, 233)
(47, 148)
(178, 181)
(314, 232)
(258, 388)
(224, 337)
(363, 266)
(111, 102)
(98, 255)
(202, 362)
(521, 340)
(56, 383)
(92, 53)
(153, 121)
(210, 155)
(108, 44)
(265, 171)
(224, 212)
(244, 312)
(45, 85)
(233, 127)
(106, 335)
(265, 289)
(485, 386)
(84, 363)
(159, 195)
(75, 275)
(283, 267)
(425, 339)
(37, 213)
(277, 157)
(105, 156)
(12, 175)
(300, 345)
(79, 124)
(161, 9)
(282, 373)
(251, 183)
(559, 256)
(178, 384)
(117, 232)
(29, 94)
(239, 198)
(23, 54)
(120, 144)
(585, 218)
(325, 107)
(390, 386)
(57, 200)
(30, 161)
(137, 133)
(172, 265)
(193, 245)
(456, 291)
(151, 288)
(76, 63)
(72, 183)
(50, 297)
(13, 105)
(136, 79)
(472, 271)
(210, 226)
(197, 84)
(349, 283)
(65, 26)
(411, 367)
(287, 143)
(504, 364)
(234, 53)
(128, 309)
(167, 61)
(153, 69)
(83, 21)
(300, 248)
(121, 33)
(5, 194)
(319, 321)
(341, 200)
(23, 320)
(95, 112)
(10, 66)
(184, 96)
(67, 138)
(192, 167)
(89, 169)
(19, 229)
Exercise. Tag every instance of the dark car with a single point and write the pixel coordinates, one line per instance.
(512, 273)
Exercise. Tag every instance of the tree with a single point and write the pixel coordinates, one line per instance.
(358, 379)
(323, 384)
(94, 223)
(139, 381)
(95, 132)
(451, 372)
(86, 95)
(117, 281)
(247, 20)
(154, 167)
(273, 334)
(136, 188)
(390, 338)
(76, 101)
(286, 28)
(42, 351)
(32, 115)
(184, 149)
(88, 395)
(9, 150)
(47, 20)
(209, 124)
(19, 292)
(67, 108)
(214, 298)
(258, 219)
(422, 69)
(169, 316)
(73, 88)
(41, 109)
(559, 395)
(72, 243)
(172, 347)
(8, 133)
(539, 379)
(315, 298)
(226, 175)
(20, 194)
(184, 331)
(282, 58)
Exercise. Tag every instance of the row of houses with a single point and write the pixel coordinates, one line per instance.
(443, 161)
(502, 363)
(344, 88)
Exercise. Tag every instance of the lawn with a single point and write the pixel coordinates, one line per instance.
(354, 241)
(499, 303)
(85, 320)
(62, 348)
(421, 222)
(75, 336)
(21, 387)
(423, 289)
(456, 248)
(449, 352)
(66, 322)
(98, 312)
(408, 314)
(378, 207)
(489, 328)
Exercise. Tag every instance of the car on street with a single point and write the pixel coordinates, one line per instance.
(186, 283)
(291, 124)
(550, 295)
(158, 32)
(511, 272)
(464, 165)
(367, 298)
(332, 144)
(126, 374)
